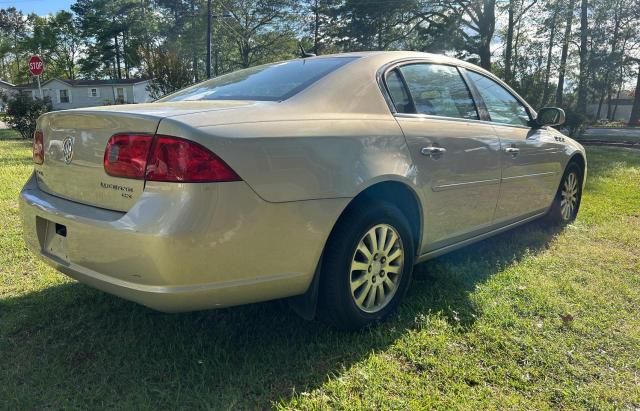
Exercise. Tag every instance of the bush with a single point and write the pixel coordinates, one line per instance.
(23, 111)
(575, 122)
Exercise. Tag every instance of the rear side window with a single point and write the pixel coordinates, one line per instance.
(270, 82)
(502, 106)
(439, 90)
(398, 93)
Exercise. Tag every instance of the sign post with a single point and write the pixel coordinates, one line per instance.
(36, 68)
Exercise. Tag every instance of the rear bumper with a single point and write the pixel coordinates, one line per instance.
(183, 247)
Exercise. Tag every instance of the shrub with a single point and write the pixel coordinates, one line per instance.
(575, 122)
(23, 111)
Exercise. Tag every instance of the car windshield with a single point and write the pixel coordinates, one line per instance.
(270, 82)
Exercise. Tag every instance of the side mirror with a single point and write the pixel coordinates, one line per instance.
(550, 116)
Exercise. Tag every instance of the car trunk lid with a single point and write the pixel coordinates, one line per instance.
(75, 142)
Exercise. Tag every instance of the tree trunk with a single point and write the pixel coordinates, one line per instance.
(124, 54)
(193, 44)
(635, 110)
(547, 72)
(316, 28)
(584, 58)
(615, 107)
(117, 47)
(614, 49)
(508, 55)
(486, 28)
(565, 51)
(600, 103)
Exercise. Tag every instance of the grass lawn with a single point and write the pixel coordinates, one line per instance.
(6, 133)
(481, 328)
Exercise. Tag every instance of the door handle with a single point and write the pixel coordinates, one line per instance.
(433, 151)
(512, 150)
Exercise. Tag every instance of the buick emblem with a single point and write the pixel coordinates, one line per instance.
(67, 150)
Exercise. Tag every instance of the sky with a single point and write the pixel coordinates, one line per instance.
(40, 7)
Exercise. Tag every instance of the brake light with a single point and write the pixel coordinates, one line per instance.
(164, 158)
(179, 160)
(126, 155)
(38, 147)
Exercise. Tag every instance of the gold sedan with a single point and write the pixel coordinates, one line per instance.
(322, 180)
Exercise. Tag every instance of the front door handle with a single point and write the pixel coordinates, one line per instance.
(433, 151)
(512, 150)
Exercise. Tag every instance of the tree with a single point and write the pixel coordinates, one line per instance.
(584, 57)
(261, 29)
(171, 71)
(378, 26)
(562, 70)
(479, 16)
(516, 11)
(13, 31)
(23, 111)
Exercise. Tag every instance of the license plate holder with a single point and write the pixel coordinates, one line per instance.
(55, 241)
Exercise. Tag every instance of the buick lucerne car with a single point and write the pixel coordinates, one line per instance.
(322, 180)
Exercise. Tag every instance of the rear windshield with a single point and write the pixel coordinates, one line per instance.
(271, 82)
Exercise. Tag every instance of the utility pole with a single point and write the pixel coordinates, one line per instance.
(208, 38)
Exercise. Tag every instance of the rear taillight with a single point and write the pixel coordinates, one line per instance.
(176, 159)
(164, 158)
(126, 155)
(38, 147)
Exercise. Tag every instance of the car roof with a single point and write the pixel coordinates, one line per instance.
(391, 56)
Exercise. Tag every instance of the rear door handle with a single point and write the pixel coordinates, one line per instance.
(433, 151)
(512, 150)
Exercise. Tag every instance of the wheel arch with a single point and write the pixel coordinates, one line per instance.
(399, 194)
(581, 161)
(395, 192)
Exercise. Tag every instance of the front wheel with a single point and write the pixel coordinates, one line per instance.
(367, 266)
(567, 200)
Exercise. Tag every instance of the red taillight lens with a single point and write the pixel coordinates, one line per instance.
(38, 147)
(163, 158)
(179, 160)
(126, 155)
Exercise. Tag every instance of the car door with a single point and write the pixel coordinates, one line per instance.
(456, 156)
(531, 157)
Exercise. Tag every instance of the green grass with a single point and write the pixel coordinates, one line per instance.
(481, 328)
(6, 133)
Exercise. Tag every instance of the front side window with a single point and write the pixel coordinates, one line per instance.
(64, 96)
(270, 82)
(439, 90)
(502, 106)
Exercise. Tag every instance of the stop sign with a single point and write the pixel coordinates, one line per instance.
(36, 66)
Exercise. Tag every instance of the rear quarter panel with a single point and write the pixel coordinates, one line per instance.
(304, 159)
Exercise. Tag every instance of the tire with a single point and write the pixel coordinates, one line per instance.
(382, 272)
(566, 203)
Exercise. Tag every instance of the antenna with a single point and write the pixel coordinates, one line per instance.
(303, 53)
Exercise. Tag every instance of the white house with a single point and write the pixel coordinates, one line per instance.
(66, 94)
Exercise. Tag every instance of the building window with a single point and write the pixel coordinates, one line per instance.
(120, 95)
(64, 96)
(93, 92)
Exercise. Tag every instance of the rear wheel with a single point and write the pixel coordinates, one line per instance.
(567, 200)
(367, 266)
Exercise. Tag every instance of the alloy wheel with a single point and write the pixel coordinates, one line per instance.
(569, 196)
(376, 268)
